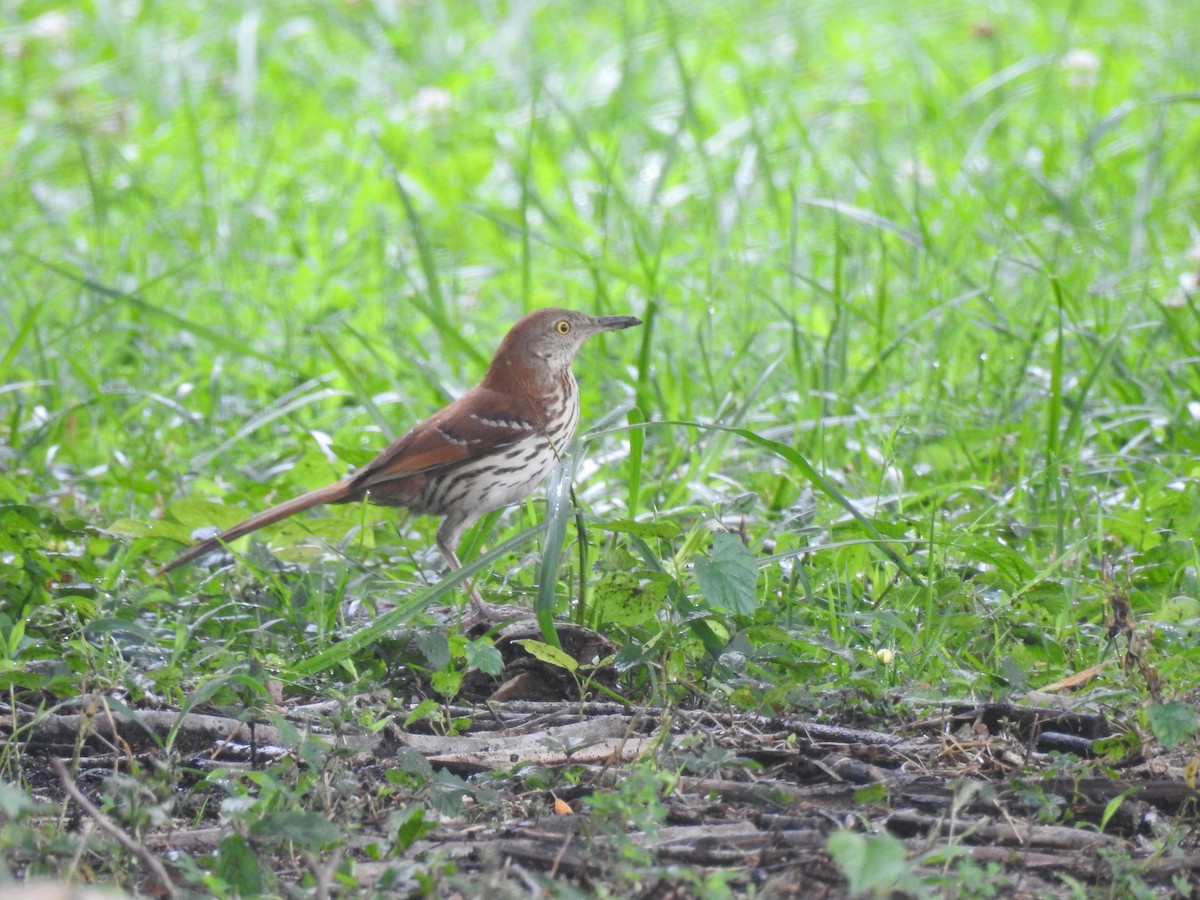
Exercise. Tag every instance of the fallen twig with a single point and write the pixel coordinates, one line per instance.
(148, 859)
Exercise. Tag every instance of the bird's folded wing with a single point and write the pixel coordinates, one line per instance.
(478, 424)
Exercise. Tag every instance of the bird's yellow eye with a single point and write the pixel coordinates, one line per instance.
(562, 326)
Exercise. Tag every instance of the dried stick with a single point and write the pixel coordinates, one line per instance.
(148, 859)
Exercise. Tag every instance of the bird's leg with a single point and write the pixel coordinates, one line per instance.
(481, 612)
(477, 602)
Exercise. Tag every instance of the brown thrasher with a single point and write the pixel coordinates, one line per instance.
(486, 450)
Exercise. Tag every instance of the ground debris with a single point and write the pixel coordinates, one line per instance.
(755, 797)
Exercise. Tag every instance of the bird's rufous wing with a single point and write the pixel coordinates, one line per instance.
(478, 423)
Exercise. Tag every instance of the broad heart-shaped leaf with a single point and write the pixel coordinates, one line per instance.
(728, 578)
(1172, 723)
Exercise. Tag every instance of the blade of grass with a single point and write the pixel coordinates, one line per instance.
(558, 513)
(584, 546)
(297, 398)
(223, 340)
(1054, 420)
(23, 332)
(357, 386)
(425, 252)
(523, 206)
(866, 217)
(637, 447)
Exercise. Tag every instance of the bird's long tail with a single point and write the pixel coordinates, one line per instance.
(338, 492)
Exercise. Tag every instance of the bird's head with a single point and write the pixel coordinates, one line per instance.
(547, 340)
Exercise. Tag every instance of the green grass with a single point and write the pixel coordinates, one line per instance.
(934, 249)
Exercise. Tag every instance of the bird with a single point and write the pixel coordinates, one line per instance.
(484, 451)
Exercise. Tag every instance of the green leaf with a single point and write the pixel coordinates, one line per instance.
(195, 514)
(625, 598)
(11, 491)
(309, 830)
(1113, 805)
(409, 825)
(355, 456)
(877, 864)
(637, 444)
(435, 647)
(18, 520)
(159, 528)
(312, 470)
(1172, 723)
(426, 709)
(1119, 747)
(729, 578)
(332, 529)
(664, 529)
(446, 793)
(871, 794)
(15, 804)
(238, 866)
(1178, 609)
(865, 217)
(483, 655)
(551, 655)
(21, 336)
(411, 765)
(15, 636)
(446, 683)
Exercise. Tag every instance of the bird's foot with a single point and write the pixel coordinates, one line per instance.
(488, 615)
